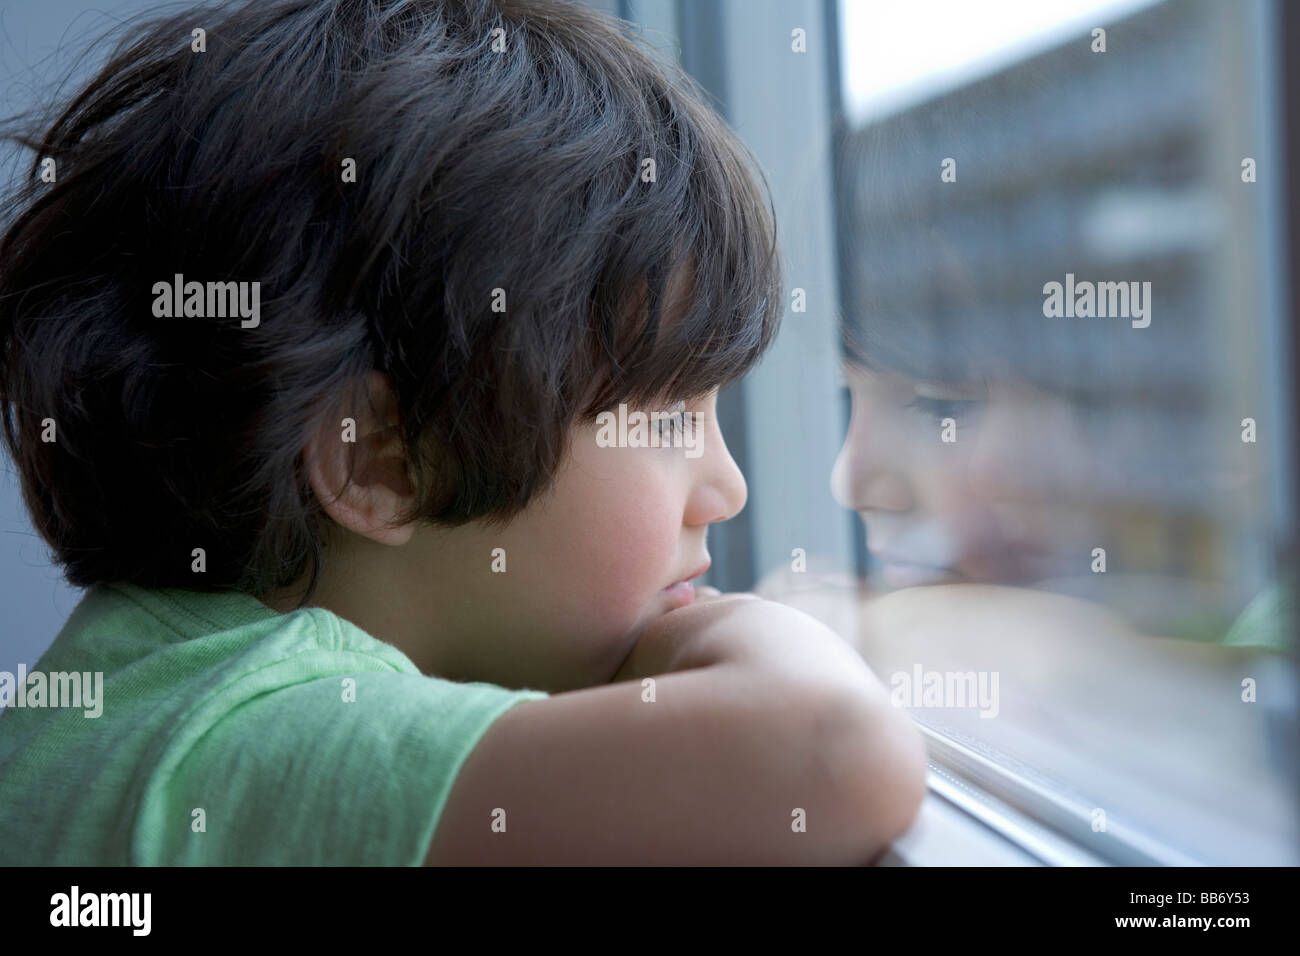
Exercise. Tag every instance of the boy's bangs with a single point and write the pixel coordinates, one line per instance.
(694, 322)
(712, 339)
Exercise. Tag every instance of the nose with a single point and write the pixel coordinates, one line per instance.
(867, 477)
(719, 490)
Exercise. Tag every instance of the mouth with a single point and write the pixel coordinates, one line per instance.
(1008, 566)
(898, 572)
(680, 593)
(999, 548)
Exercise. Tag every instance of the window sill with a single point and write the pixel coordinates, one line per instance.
(958, 826)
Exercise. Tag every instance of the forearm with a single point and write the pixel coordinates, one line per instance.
(748, 633)
(813, 702)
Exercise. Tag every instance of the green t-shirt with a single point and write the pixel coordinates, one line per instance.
(230, 734)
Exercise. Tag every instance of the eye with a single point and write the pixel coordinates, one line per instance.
(941, 408)
(670, 422)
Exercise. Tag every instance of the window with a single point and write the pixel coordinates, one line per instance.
(1042, 356)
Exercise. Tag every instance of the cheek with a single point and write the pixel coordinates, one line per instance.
(622, 522)
(939, 476)
(632, 552)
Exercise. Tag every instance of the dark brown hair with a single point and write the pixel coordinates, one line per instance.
(479, 166)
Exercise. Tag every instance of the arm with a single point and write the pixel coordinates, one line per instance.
(759, 710)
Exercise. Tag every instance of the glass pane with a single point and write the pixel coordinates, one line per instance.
(1061, 330)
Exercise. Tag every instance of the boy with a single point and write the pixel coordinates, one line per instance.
(363, 585)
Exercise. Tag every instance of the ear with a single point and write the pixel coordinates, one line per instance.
(380, 488)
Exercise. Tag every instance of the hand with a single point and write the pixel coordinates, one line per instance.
(743, 630)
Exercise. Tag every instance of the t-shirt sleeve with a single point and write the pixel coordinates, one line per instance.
(321, 772)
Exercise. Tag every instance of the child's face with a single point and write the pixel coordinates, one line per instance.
(985, 507)
(587, 565)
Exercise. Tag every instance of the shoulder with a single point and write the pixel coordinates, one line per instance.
(305, 740)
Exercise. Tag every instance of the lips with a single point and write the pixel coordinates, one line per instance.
(694, 574)
(886, 557)
(995, 548)
(902, 575)
(1008, 565)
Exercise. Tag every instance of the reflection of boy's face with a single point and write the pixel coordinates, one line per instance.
(985, 507)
